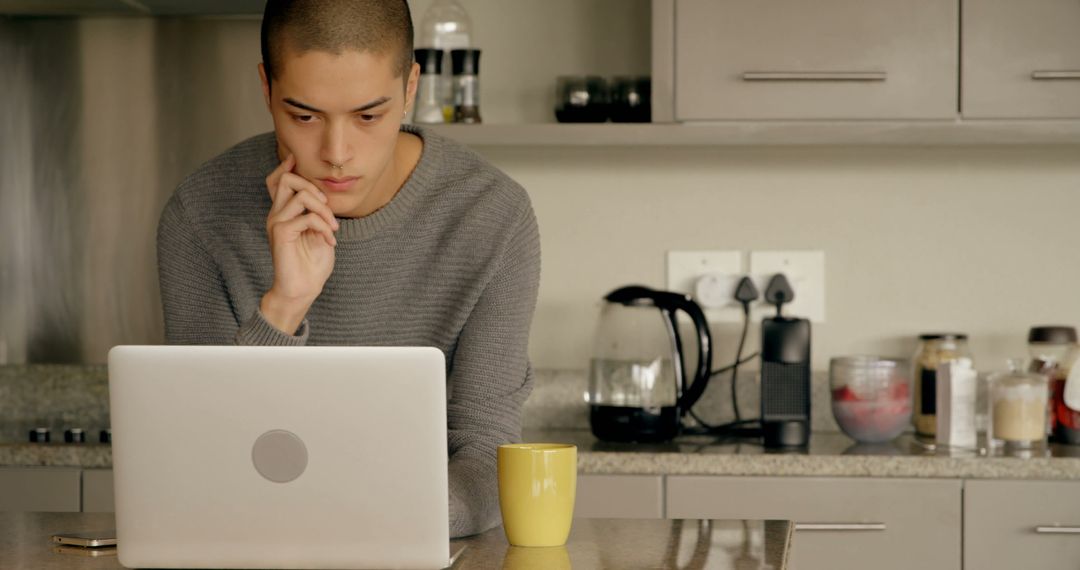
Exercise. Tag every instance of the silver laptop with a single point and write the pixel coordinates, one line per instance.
(279, 457)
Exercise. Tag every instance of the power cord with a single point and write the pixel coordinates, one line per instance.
(746, 293)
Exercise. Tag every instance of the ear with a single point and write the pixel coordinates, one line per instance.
(410, 85)
(265, 85)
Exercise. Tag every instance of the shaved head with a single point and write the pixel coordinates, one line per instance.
(382, 27)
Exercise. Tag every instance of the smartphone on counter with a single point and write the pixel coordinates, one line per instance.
(87, 539)
(84, 551)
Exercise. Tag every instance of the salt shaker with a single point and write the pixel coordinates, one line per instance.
(428, 107)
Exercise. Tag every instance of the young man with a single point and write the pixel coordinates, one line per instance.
(344, 227)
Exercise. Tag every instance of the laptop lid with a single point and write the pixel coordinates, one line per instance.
(279, 457)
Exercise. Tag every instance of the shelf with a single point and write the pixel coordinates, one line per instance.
(803, 133)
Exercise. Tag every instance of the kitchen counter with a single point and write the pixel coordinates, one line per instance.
(829, 455)
(593, 543)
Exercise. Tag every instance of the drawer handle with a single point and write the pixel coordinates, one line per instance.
(813, 76)
(1057, 529)
(1050, 75)
(840, 526)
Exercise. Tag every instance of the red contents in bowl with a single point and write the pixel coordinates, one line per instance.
(879, 416)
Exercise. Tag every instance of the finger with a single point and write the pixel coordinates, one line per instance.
(272, 180)
(312, 222)
(288, 185)
(301, 201)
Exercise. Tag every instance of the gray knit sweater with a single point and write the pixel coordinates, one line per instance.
(453, 261)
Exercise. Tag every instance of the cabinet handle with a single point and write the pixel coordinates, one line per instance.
(1046, 75)
(813, 76)
(1057, 529)
(840, 526)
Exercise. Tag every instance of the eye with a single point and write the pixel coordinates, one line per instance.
(369, 118)
(304, 119)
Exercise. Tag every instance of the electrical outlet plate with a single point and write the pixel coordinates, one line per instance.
(805, 270)
(723, 269)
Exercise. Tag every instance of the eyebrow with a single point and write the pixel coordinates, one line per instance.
(361, 108)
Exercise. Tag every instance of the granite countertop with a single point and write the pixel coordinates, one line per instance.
(829, 455)
(62, 396)
(593, 543)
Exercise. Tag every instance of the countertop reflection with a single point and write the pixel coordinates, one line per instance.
(593, 544)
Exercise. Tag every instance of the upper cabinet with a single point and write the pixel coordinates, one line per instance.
(826, 59)
(1021, 60)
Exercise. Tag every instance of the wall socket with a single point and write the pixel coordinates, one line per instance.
(805, 270)
(711, 278)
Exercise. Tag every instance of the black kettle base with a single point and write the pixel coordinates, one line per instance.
(638, 425)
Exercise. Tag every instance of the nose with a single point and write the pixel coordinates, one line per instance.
(336, 151)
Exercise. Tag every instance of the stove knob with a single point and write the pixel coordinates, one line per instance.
(39, 435)
(106, 436)
(75, 435)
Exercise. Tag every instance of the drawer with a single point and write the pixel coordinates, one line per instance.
(1021, 59)
(619, 497)
(826, 59)
(864, 523)
(1009, 524)
(43, 489)
(97, 495)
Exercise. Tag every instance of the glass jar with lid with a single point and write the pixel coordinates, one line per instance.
(1017, 402)
(934, 350)
(1053, 352)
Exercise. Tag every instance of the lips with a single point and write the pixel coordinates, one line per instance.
(338, 184)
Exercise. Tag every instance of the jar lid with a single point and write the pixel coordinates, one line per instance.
(1056, 334)
(943, 336)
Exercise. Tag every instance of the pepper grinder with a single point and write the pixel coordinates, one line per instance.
(466, 63)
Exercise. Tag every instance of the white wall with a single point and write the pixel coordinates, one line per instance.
(978, 239)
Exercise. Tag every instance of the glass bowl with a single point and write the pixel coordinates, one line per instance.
(871, 396)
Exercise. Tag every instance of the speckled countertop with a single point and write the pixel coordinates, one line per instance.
(61, 396)
(829, 455)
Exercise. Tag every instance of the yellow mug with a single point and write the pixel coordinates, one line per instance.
(537, 486)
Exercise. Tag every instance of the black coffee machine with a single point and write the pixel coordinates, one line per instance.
(638, 388)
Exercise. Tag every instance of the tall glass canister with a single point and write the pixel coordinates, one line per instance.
(934, 350)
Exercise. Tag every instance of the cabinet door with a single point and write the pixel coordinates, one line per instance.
(97, 491)
(1021, 524)
(826, 59)
(620, 497)
(841, 523)
(43, 489)
(1021, 59)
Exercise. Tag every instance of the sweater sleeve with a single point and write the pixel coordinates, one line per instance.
(490, 379)
(194, 295)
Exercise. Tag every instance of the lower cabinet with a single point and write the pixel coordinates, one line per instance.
(619, 497)
(97, 491)
(1021, 524)
(43, 489)
(841, 523)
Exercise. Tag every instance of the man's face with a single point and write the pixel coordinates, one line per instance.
(339, 110)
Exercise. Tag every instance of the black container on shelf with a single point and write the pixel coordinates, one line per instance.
(631, 100)
(581, 99)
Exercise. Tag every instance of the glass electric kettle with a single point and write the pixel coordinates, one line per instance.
(638, 389)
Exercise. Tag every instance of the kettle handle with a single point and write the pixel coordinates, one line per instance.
(704, 343)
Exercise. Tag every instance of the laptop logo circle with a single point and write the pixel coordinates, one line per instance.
(279, 456)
